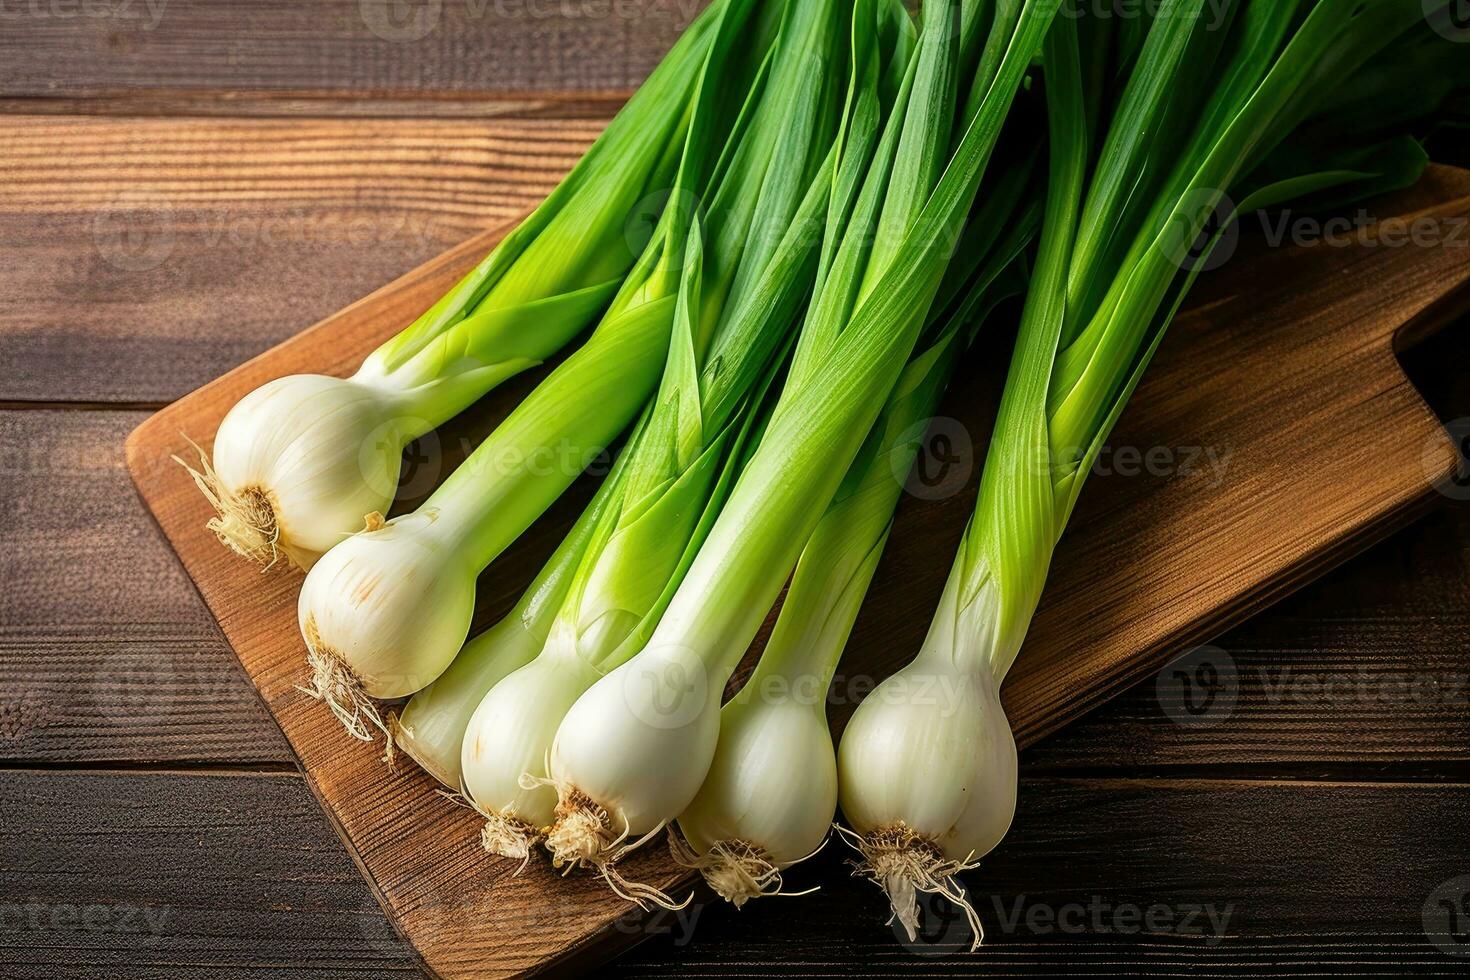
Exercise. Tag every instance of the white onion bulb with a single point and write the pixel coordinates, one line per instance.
(768, 799)
(509, 738)
(369, 630)
(630, 756)
(928, 778)
(300, 463)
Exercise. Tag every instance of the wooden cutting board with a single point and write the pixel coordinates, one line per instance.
(1275, 435)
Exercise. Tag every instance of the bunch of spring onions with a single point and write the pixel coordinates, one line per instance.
(749, 265)
(927, 788)
(386, 611)
(770, 795)
(633, 751)
(699, 427)
(302, 462)
(850, 196)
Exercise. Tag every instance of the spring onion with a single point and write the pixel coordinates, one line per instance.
(633, 750)
(770, 795)
(750, 265)
(927, 784)
(301, 462)
(386, 611)
(431, 726)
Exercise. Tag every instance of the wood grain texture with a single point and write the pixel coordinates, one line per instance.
(1306, 878)
(1291, 341)
(138, 874)
(1302, 878)
(1368, 668)
(107, 654)
(57, 50)
(179, 248)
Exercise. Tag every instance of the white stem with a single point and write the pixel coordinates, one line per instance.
(432, 727)
(510, 735)
(632, 752)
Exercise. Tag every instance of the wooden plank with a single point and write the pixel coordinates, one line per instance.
(1307, 878)
(172, 250)
(241, 874)
(159, 253)
(107, 653)
(137, 874)
(1281, 352)
(1369, 666)
(340, 47)
(174, 103)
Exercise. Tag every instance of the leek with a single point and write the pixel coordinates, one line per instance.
(303, 461)
(748, 269)
(431, 727)
(770, 795)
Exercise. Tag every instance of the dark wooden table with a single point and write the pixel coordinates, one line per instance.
(187, 183)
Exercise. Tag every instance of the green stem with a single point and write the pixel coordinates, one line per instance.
(434, 721)
(808, 448)
(552, 436)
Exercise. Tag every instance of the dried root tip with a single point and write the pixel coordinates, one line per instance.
(640, 894)
(737, 871)
(245, 519)
(582, 836)
(373, 522)
(508, 836)
(334, 684)
(390, 744)
(504, 834)
(903, 863)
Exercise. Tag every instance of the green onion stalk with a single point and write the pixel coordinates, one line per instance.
(928, 780)
(304, 461)
(386, 611)
(633, 751)
(751, 265)
(432, 725)
(770, 795)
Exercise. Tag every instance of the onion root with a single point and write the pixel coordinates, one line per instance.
(334, 684)
(583, 836)
(903, 863)
(244, 520)
(508, 836)
(736, 870)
